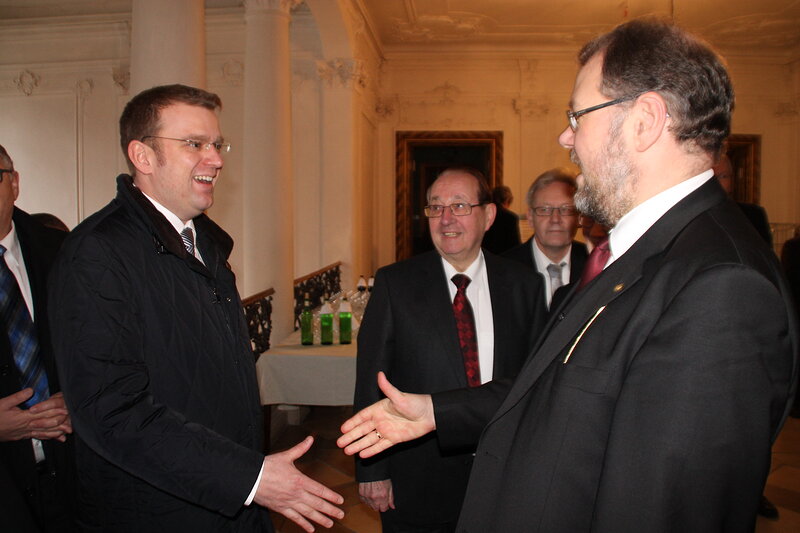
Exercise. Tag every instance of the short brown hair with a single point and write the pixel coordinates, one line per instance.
(650, 54)
(142, 115)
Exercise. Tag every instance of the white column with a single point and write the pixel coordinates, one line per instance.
(168, 43)
(267, 162)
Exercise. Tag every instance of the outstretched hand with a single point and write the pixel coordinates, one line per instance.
(286, 490)
(399, 417)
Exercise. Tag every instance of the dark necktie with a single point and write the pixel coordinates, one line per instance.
(188, 240)
(596, 262)
(21, 335)
(467, 338)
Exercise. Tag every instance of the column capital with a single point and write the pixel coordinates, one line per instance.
(284, 6)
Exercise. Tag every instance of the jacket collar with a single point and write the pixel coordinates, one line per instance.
(580, 308)
(165, 238)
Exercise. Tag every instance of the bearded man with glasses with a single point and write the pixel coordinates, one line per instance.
(655, 394)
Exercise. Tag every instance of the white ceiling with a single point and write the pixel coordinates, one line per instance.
(763, 26)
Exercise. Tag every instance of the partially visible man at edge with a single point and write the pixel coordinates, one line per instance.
(652, 402)
(152, 346)
(37, 466)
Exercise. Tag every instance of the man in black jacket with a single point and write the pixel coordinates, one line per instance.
(36, 462)
(152, 345)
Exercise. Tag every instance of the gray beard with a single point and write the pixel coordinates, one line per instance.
(608, 195)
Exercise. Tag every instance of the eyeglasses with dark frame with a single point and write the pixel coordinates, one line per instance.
(3, 171)
(547, 210)
(573, 116)
(221, 148)
(459, 209)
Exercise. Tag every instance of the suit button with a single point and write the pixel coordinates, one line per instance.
(4, 370)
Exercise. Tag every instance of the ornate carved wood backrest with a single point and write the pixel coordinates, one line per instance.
(319, 285)
(258, 313)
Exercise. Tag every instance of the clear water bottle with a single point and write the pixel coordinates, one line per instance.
(362, 284)
(370, 283)
(306, 323)
(326, 323)
(345, 322)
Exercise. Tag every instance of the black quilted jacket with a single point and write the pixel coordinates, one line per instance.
(156, 368)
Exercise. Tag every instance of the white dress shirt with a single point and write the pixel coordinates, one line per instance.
(542, 261)
(481, 302)
(176, 222)
(642, 217)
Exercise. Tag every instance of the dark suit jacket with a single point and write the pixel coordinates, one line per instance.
(503, 235)
(409, 332)
(577, 258)
(757, 216)
(652, 401)
(18, 472)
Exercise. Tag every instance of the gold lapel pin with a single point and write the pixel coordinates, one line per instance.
(619, 287)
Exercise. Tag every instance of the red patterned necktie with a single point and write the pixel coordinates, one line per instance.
(596, 262)
(467, 338)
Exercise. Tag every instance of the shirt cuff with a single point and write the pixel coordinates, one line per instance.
(252, 495)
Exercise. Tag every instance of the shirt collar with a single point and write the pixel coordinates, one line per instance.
(11, 243)
(475, 269)
(171, 217)
(542, 260)
(642, 217)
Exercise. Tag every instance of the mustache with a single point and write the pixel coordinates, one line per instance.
(573, 156)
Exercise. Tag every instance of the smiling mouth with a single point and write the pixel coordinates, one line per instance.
(204, 179)
(451, 234)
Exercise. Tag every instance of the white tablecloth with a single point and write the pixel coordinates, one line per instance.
(294, 374)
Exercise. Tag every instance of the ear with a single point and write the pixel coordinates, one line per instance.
(142, 156)
(649, 120)
(491, 212)
(15, 184)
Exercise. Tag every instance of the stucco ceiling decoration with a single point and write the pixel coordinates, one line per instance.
(737, 25)
(473, 24)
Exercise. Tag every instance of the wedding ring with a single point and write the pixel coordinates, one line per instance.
(378, 434)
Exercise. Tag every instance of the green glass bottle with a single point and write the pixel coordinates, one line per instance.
(326, 323)
(345, 322)
(306, 323)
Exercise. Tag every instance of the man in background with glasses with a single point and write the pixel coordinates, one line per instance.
(37, 470)
(653, 399)
(152, 345)
(552, 215)
(453, 317)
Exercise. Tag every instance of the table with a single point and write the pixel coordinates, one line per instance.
(290, 373)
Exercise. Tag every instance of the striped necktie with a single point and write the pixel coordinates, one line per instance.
(188, 240)
(21, 335)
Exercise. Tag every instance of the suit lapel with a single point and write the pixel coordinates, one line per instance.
(502, 311)
(565, 328)
(436, 313)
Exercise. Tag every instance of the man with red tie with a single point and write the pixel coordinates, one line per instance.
(454, 317)
(652, 401)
